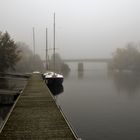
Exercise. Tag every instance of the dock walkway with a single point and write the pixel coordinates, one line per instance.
(36, 116)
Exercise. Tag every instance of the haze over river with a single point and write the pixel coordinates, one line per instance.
(100, 106)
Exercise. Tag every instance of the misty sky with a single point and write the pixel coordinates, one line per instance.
(84, 28)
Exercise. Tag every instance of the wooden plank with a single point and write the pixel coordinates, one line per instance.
(36, 116)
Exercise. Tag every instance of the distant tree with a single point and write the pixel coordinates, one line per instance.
(126, 58)
(37, 63)
(60, 66)
(58, 62)
(65, 69)
(28, 62)
(9, 55)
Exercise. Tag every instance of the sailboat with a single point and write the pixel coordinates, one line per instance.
(51, 77)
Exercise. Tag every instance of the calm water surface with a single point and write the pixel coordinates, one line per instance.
(8, 84)
(101, 106)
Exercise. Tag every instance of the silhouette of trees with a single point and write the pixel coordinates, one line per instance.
(65, 68)
(28, 62)
(9, 55)
(57, 64)
(126, 59)
(60, 66)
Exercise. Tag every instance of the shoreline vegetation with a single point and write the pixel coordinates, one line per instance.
(125, 60)
(17, 57)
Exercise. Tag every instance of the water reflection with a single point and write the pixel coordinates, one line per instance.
(7, 83)
(3, 83)
(114, 117)
(56, 89)
(80, 74)
(10, 88)
(6, 101)
(7, 95)
(66, 74)
(128, 82)
(4, 110)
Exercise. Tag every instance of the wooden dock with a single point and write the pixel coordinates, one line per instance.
(35, 116)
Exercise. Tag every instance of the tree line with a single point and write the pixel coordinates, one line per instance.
(126, 59)
(18, 57)
(9, 55)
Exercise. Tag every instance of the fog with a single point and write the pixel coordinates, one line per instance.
(84, 28)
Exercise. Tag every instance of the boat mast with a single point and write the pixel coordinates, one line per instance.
(34, 40)
(46, 50)
(54, 44)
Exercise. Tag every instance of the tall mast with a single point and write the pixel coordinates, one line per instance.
(54, 43)
(46, 50)
(34, 40)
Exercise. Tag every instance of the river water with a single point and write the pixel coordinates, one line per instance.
(8, 86)
(102, 106)
(99, 105)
